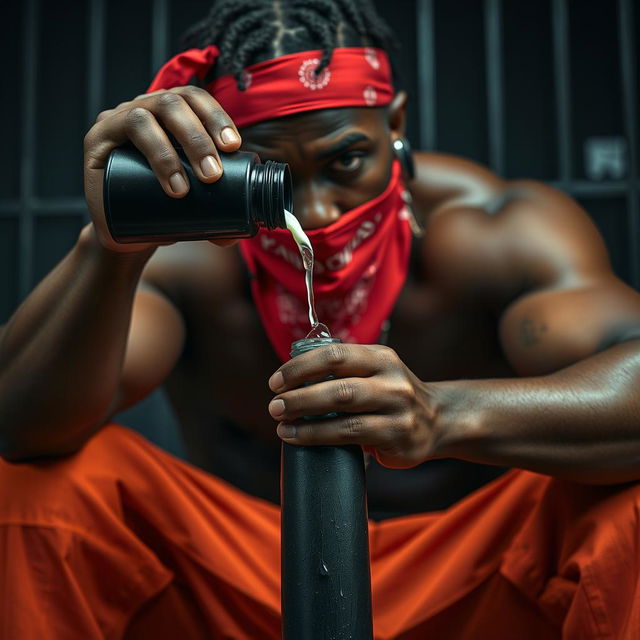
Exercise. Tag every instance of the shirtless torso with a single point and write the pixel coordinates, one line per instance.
(512, 343)
(218, 386)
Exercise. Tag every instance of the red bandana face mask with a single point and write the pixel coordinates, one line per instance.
(360, 266)
(360, 260)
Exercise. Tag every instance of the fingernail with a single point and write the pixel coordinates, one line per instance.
(177, 183)
(276, 408)
(210, 168)
(276, 381)
(229, 136)
(286, 431)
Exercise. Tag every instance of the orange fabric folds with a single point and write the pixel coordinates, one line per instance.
(122, 540)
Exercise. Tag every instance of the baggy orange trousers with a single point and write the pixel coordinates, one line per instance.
(123, 540)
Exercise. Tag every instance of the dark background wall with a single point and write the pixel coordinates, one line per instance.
(545, 89)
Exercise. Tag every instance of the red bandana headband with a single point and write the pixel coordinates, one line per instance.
(355, 77)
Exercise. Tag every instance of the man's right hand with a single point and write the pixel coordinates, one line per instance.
(190, 114)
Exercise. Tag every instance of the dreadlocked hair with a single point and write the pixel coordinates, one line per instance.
(249, 31)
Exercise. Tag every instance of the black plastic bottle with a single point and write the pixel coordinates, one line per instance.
(248, 195)
(326, 578)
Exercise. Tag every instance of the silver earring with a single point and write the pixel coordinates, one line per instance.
(402, 149)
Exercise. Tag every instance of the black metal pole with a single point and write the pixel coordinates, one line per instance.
(326, 580)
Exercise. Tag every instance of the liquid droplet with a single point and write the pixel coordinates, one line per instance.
(319, 330)
(324, 570)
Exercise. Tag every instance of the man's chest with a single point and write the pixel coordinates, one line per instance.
(229, 360)
(439, 341)
(220, 394)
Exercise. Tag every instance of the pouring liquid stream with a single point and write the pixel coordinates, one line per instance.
(318, 330)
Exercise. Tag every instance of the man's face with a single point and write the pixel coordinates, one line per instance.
(339, 158)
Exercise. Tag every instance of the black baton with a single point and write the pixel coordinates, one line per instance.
(326, 580)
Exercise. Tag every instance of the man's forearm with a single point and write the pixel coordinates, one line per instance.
(61, 353)
(581, 423)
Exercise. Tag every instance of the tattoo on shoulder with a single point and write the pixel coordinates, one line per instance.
(531, 332)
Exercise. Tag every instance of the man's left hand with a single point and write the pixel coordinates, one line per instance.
(380, 404)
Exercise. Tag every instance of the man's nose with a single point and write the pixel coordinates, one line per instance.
(314, 206)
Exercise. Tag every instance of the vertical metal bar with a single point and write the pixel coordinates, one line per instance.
(95, 57)
(159, 34)
(495, 83)
(560, 24)
(629, 105)
(30, 50)
(426, 73)
(95, 68)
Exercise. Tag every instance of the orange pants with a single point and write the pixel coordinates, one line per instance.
(123, 540)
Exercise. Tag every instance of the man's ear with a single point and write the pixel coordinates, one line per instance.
(397, 114)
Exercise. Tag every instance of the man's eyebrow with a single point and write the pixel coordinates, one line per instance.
(341, 145)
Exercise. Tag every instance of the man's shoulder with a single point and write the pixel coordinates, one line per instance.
(494, 239)
(441, 178)
(198, 269)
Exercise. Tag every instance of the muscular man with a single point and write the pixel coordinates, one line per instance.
(510, 344)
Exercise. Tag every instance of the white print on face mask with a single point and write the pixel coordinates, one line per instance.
(270, 245)
(343, 257)
(342, 313)
(291, 311)
(334, 262)
(352, 307)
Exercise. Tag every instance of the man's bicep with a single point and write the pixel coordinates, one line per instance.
(544, 331)
(156, 338)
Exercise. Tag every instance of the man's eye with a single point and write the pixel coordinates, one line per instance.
(351, 161)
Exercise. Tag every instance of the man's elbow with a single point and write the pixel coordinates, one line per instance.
(37, 447)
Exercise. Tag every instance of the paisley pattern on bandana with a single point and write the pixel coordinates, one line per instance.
(361, 263)
(355, 77)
